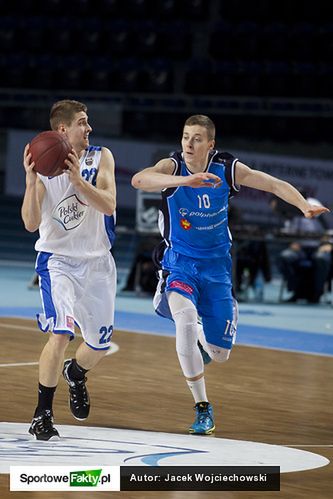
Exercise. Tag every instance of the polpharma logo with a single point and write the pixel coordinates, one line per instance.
(45, 478)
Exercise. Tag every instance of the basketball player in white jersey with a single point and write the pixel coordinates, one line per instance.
(75, 215)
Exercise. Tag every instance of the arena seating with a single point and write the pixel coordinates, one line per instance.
(189, 47)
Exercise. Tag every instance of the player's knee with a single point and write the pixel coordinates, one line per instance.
(219, 354)
(59, 342)
(186, 339)
(186, 331)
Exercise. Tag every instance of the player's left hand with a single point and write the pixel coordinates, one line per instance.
(315, 211)
(202, 179)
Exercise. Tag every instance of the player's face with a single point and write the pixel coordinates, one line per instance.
(196, 146)
(78, 132)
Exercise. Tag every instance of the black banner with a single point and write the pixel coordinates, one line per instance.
(205, 478)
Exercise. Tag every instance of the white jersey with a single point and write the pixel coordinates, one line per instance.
(69, 226)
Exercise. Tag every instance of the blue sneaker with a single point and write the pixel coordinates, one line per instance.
(205, 357)
(204, 419)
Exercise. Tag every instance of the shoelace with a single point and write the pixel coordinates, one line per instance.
(202, 413)
(79, 392)
(203, 416)
(45, 424)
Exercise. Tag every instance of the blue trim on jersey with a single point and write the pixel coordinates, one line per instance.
(94, 148)
(94, 348)
(64, 331)
(45, 284)
(109, 223)
(39, 324)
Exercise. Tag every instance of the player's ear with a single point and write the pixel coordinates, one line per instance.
(62, 128)
(212, 144)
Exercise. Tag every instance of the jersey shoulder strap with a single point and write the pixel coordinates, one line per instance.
(229, 161)
(177, 158)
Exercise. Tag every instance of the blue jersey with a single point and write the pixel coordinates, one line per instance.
(194, 221)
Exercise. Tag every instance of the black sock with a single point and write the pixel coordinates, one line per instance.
(45, 398)
(76, 372)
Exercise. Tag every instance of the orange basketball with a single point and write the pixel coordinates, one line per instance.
(49, 150)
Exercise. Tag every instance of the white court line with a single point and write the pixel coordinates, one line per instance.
(114, 347)
(20, 364)
(14, 326)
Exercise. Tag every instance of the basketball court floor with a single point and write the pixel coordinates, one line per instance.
(273, 399)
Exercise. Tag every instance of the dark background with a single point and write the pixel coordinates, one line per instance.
(262, 70)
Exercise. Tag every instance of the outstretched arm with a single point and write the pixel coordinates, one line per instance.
(264, 182)
(160, 176)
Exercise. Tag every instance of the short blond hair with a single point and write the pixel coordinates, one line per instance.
(64, 111)
(204, 121)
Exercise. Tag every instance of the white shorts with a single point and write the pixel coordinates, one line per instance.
(78, 291)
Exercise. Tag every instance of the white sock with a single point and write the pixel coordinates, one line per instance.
(198, 389)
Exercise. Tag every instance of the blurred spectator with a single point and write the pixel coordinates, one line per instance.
(251, 261)
(142, 276)
(305, 265)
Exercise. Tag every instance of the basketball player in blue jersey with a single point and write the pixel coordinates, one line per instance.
(74, 212)
(195, 286)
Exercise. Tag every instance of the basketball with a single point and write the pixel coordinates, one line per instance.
(49, 150)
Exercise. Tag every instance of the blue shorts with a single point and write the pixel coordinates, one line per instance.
(208, 284)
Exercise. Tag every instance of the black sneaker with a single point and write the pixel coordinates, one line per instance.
(42, 427)
(79, 401)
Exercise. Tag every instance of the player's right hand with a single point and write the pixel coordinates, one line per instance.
(28, 163)
(203, 179)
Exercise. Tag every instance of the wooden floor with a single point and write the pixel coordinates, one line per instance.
(258, 395)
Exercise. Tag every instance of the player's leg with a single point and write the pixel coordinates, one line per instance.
(95, 314)
(52, 358)
(217, 335)
(217, 309)
(50, 365)
(185, 315)
(57, 298)
(74, 372)
(202, 341)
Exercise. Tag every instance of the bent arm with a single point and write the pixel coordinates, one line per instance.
(156, 178)
(33, 195)
(160, 176)
(31, 206)
(264, 182)
(103, 196)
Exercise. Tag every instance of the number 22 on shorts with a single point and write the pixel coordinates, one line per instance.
(106, 333)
